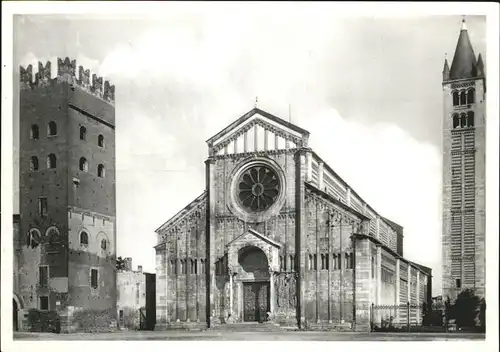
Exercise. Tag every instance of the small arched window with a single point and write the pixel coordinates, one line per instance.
(470, 96)
(463, 98)
(462, 120)
(51, 161)
(34, 132)
(100, 170)
(100, 141)
(456, 121)
(52, 128)
(84, 238)
(104, 244)
(34, 163)
(456, 99)
(84, 165)
(470, 119)
(83, 133)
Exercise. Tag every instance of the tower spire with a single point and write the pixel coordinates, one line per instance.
(464, 64)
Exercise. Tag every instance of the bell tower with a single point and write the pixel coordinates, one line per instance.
(464, 120)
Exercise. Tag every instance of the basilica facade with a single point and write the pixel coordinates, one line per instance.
(278, 236)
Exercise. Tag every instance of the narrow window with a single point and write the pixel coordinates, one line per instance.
(100, 141)
(83, 133)
(456, 99)
(463, 98)
(196, 266)
(327, 261)
(456, 121)
(100, 170)
(462, 120)
(470, 119)
(44, 303)
(93, 278)
(33, 163)
(51, 161)
(43, 273)
(458, 283)
(84, 239)
(323, 264)
(315, 262)
(292, 262)
(281, 262)
(84, 165)
(183, 266)
(51, 128)
(104, 244)
(351, 261)
(470, 96)
(42, 206)
(34, 132)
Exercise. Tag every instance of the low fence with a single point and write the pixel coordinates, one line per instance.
(407, 318)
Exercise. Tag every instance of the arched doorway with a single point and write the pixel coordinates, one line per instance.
(256, 289)
(15, 310)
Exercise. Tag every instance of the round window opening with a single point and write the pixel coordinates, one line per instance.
(258, 188)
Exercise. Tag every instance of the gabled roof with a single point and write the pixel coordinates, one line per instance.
(258, 235)
(201, 198)
(251, 113)
(464, 64)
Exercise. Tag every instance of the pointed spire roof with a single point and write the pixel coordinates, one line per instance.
(464, 64)
(446, 70)
(480, 65)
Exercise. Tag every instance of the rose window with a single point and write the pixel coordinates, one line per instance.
(258, 188)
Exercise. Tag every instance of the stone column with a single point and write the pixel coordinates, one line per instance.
(321, 184)
(245, 140)
(276, 141)
(271, 292)
(348, 197)
(398, 289)
(266, 137)
(379, 280)
(363, 284)
(417, 293)
(300, 231)
(309, 166)
(231, 295)
(409, 289)
(209, 245)
(255, 138)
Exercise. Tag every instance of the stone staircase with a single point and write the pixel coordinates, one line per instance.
(248, 327)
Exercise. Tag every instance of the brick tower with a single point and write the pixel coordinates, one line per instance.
(67, 241)
(464, 118)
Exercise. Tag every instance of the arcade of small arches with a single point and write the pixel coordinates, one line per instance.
(463, 97)
(463, 120)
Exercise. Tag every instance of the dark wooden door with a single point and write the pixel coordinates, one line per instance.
(256, 301)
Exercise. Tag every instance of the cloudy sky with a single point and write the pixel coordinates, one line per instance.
(368, 89)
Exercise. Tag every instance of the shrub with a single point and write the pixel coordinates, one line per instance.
(43, 321)
(466, 309)
(93, 320)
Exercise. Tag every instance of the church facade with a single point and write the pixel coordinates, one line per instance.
(278, 236)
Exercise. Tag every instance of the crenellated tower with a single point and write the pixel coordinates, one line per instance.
(67, 189)
(464, 122)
